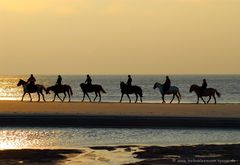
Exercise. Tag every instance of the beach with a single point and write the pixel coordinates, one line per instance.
(118, 114)
(16, 114)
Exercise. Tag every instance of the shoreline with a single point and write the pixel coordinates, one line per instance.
(78, 114)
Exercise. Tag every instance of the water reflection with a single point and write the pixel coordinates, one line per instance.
(26, 138)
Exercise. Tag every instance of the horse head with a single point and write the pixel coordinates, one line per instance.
(156, 85)
(193, 88)
(122, 85)
(21, 82)
(48, 90)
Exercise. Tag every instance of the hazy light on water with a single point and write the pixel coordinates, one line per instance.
(18, 139)
(227, 85)
(55, 138)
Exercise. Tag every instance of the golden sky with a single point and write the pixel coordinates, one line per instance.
(120, 36)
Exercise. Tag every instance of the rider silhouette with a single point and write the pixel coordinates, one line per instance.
(88, 80)
(204, 86)
(166, 85)
(59, 80)
(31, 80)
(129, 81)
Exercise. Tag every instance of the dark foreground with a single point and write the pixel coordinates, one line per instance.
(199, 154)
(148, 155)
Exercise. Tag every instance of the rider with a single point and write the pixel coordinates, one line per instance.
(31, 82)
(166, 85)
(129, 81)
(204, 86)
(88, 80)
(59, 80)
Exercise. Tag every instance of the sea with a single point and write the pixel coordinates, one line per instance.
(77, 137)
(227, 85)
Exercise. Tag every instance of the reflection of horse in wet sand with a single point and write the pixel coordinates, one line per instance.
(207, 92)
(61, 89)
(88, 88)
(36, 89)
(125, 89)
(173, 90)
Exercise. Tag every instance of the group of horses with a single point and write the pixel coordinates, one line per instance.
(125, 89)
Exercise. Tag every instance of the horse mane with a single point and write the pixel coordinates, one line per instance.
(193, 87)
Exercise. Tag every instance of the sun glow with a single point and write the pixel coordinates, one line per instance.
(8, 145)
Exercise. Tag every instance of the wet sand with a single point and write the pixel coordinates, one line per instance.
(131, 155)
(14, 113)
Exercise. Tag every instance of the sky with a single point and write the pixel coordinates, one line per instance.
(119, 37)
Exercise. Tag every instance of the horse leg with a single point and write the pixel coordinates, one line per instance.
(43, 97)
(136, 98)
(129, 98)
(64, 96)
(69, 96)
(88, 97)
(178, 98)
(203, 100)
(163, 99)
(83, 97)
(121, 98)
(100, 97)
(23, 96)
(96, 95)
(59, 98)
(215, 101)
(141, 99)
(38, 96)
(172, 98)
(209, 99)
(54, 97)
(30, 97)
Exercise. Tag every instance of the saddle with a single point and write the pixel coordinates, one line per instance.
(31, 87)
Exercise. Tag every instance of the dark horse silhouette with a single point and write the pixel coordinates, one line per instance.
(61, 89)
(88, 88)
(208, 92)
(125, 89)
(39, 89)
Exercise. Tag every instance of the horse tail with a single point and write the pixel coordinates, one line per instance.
(101, 89)
(70, 89)
(218, 94)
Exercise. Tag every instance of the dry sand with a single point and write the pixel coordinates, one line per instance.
(13, 113)
(117, 109)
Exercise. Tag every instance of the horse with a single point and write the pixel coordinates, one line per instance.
(125, 89)
(39, 89)
(61, 89)
(89, 88)
(208, 92)
(172, 90)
